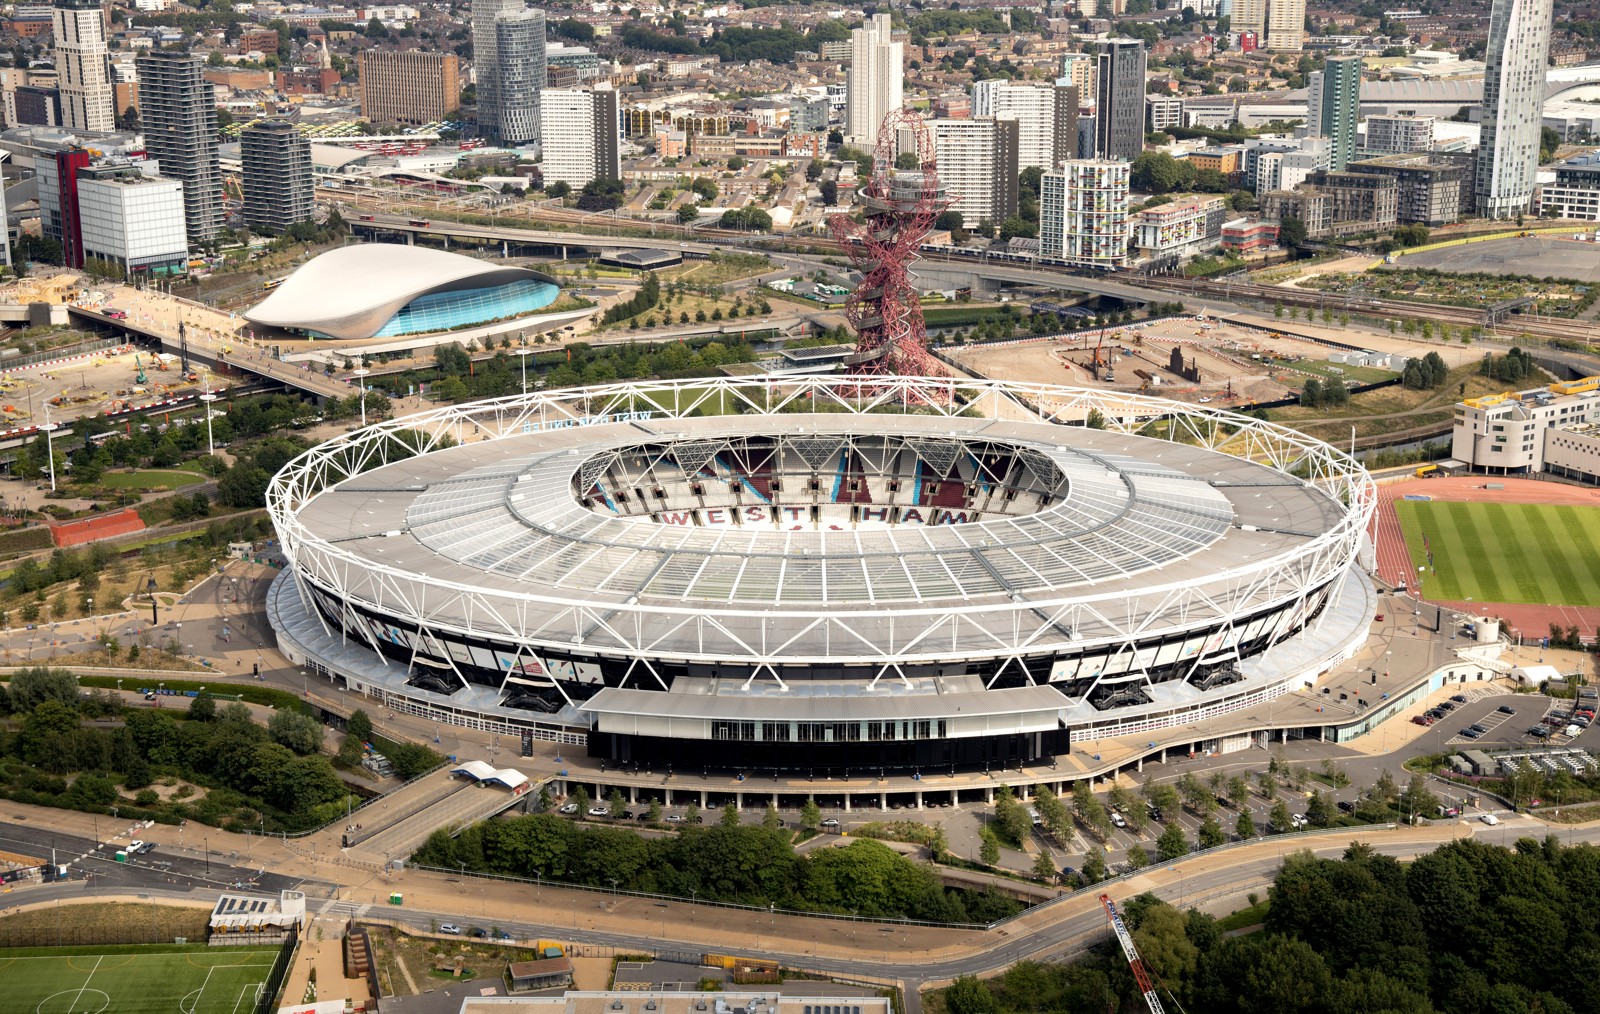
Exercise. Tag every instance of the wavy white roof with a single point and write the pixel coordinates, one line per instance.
(352, 292)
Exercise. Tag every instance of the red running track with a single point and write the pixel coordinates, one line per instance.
(1394, 558)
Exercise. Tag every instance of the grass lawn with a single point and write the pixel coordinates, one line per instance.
(1349, 374)
(166, 478)
(188, 979)
(1494, 552)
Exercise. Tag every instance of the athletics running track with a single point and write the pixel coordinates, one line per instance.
(1395, 563)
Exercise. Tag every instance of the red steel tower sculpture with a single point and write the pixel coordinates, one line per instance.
(901, 205)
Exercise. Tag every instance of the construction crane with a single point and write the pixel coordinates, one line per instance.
(1126, 940)
(138, 377)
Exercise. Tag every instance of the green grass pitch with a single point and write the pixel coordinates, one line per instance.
(91, 980)
(1497, 552)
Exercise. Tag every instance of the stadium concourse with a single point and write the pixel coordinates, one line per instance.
(1396, 565)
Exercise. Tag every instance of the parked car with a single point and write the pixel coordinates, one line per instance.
(1446, 706)
(831, 822)
(1119, 820)
(1475, 727)
(1347, 805)
(117, 314)
(477, 933)
(1539, 731)
(676, 818)
(1490, 819)
(645, 816)
(1469, 734)
(1459, 698)
(601, 810)
(1506, 709)
(502, 935)
(625, 815)
(569, 808)
(450, 928)
(1155, 814)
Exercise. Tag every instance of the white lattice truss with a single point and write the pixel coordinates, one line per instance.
(1012, 629)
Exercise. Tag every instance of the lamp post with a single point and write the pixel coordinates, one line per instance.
(361, 386)
(523, 354)
(207, 398)
(50, 445)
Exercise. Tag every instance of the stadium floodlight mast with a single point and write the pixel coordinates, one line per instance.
(523, 354)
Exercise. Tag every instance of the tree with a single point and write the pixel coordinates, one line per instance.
(988, 845)
(616, 802)
(580, 799)
(295, 730)
(1238, 791)
(830, 192)
(1156, 172)
(1279, 821)
(32, 687)
(359, 726)
(1210, 834)
(810, 815)
(1094, 866)
(967, 995)
(1016, 226)
(1043, 866)
(1244, 827)
(1318, 812)
(559, 189)
(1089, 810)
(1160, 795)
(691, 815)
(737, 162)
(1172, 844)
(770, 820)
(203, 708)
(687, 213)
(1138, 857)
(730, 815)
(1291, 232)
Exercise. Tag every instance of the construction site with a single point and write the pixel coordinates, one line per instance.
(1202, 359)
(104, 382)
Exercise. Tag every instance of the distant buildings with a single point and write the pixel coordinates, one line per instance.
(1162, 111)
(581, 137)
(1397, 134)
(520, 73)
(1575, 193)
(1273, 24)
(1046, 117)
(278, 188)
(80, 51)
(875, 79)
(1182, 227)
(408, 86)
(978, 165)
(117, 211)
(1435, 188)
(1513, 100)
(1119, 99)
(178, 110)
(1083, 213)
(1334, 104)
(1333, 204)
(507, 79)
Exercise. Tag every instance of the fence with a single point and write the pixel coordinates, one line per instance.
(267, 999)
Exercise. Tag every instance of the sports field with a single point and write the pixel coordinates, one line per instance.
(1503, 552)
(192, 979)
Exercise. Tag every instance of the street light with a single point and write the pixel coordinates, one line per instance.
(50, 445)
(523, 354)
(361, 385)
(207, 398)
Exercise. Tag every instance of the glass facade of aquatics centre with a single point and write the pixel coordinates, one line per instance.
(445, 311)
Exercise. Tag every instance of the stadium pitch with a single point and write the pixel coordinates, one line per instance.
(1497, 552)
(179, 979)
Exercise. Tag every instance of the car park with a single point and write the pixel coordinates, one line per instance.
(451, 929)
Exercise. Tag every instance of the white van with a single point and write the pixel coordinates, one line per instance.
(1490, 819)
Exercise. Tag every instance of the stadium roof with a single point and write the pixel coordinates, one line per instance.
(352, 292)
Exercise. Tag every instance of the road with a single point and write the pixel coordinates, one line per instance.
(191, 865)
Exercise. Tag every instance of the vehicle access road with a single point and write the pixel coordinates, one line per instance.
(193, 864)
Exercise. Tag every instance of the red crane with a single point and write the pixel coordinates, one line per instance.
(1134, 962)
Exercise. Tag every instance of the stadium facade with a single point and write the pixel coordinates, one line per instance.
(386, 290)
(806, 573)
